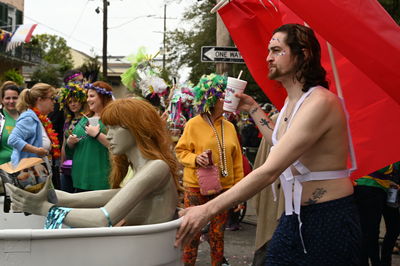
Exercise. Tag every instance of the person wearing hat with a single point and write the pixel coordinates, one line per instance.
(209, 130)
(72, 101)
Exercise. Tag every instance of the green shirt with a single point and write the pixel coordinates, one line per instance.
(5, 149)
(91, 165)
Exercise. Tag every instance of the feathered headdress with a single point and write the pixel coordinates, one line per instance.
(206, 93)
(144, 74)
(180, 108)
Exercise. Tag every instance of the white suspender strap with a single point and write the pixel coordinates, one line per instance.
(278, 121)
(299, 103)
(351, 146)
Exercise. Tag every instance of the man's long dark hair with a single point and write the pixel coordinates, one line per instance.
(308, 68)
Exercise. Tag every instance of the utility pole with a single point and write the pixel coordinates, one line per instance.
(223, 39)
(105, 68)
(165, 30)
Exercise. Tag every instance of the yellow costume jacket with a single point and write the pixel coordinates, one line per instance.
(197, 137)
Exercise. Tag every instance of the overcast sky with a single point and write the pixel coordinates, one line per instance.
(128, 23)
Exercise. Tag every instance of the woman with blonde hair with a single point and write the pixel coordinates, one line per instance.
(33, 135)
(150, 196)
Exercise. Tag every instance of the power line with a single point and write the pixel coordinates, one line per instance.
(131, 20)
(79, 19)
(62, 33)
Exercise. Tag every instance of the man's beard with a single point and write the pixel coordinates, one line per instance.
(276, 73)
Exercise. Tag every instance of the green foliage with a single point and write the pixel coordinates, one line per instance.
(47, 74)
(184, 46)
(56, 56)
(54, 50)
(13, 75)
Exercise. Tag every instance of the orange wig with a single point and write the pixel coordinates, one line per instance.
(149, 130)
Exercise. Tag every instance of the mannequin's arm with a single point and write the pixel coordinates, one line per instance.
(153, 177)
(38, 204)
(90, 199)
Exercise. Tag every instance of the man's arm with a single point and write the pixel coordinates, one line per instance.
(312, 121)
(264, 124)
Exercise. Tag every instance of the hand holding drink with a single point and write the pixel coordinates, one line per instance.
(93, 121)
(234, 85)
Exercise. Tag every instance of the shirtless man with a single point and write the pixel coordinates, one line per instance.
(309, 155)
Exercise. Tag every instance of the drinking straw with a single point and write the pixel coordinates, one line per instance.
(240, 74)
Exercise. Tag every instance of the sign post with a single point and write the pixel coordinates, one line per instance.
(221, 54)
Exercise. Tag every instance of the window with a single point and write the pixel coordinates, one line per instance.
(9, 24)
(3, 14)
(19, 17)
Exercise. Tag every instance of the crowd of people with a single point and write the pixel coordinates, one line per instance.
(120, 167)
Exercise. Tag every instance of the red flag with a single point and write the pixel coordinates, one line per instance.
(251, 41)
(373, 113)
(362, 31)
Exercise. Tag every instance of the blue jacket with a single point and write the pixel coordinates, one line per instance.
(27, 131)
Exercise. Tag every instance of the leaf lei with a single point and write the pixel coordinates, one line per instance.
(48, 126)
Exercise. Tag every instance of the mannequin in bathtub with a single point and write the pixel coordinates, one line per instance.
(137, 138)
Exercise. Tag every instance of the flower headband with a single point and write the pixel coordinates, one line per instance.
(72, 90)
(206, 93)
(90, 86)
(72, 77)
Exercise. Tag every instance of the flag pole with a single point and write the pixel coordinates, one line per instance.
(340, 95)
(336, 77)
(334, 70)
(219, 5)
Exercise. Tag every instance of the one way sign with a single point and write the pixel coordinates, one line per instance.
(221, 54)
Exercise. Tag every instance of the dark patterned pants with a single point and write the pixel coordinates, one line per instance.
(331, 232)
(192, 197)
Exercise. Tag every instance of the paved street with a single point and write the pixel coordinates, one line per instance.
(239, 247)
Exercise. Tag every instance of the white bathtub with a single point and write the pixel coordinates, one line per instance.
(19, 220)
(144, 245)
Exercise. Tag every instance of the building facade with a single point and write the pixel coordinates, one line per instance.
(11, 15)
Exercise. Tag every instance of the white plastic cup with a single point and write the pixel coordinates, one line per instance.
(233, 86)
(93, 121)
